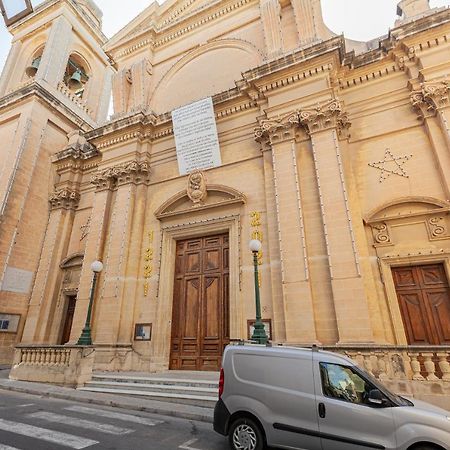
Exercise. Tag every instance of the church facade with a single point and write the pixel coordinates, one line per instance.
(334, 154)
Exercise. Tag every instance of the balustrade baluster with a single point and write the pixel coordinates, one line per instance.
(430, 367)
(53, 356)
(381, 364)
(368, 363)
(415, 367)
(444, 365)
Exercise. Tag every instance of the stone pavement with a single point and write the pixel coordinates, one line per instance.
(132, 403)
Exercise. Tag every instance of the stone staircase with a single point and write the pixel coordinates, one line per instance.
(182, 387)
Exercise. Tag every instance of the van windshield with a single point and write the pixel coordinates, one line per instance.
(399, 401)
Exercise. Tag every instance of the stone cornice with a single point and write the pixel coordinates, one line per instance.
(420, 25)
(34, 88)
(156, 35)
(136, 172)
(64, 199)
(95, 30)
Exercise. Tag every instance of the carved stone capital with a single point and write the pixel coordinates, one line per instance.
(437, 93)
(130, 172)
(430, 97)
(424, 107)
(326, 116)
(64, 198)
(279, 129)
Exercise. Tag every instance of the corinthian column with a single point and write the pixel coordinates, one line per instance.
(113, 319)
(44, 299)
(431, 101)
(324, 123)
(296, 289)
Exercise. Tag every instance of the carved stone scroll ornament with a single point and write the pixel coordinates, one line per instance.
(325, 116)
(129, 172)
(277, 129)
(64, 198)
(438, 93)
(196, 189)
(430, 97)
(437, 227)
(381, 233)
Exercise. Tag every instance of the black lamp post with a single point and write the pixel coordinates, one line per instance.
(86, 338)
(259, 333)
(14, 10)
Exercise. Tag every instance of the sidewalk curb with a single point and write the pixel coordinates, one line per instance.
(113, 403)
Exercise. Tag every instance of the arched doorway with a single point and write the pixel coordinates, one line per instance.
(71, 268)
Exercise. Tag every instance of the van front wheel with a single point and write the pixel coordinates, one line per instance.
(245, 434)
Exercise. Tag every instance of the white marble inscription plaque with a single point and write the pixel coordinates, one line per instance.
(196, 139)
(17, 280)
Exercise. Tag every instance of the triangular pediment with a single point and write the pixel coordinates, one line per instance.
(133, 28)
(182, 203)
(158, 16)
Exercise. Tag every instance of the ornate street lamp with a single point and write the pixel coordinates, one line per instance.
(86, 338)
(259, 333)
(14, 10)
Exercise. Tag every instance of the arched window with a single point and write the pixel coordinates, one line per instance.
(33, 67)
(76, 75)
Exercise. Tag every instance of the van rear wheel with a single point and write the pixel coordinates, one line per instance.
(245, 434)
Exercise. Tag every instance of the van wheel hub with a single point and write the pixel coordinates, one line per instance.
(244, 438)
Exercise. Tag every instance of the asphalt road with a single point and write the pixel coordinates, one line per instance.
(36, 423)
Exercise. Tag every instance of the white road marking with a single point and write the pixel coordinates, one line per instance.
(68, 440)
(187, 445)
(114, 415)
(6, 447)
(80, 423)
(25, 406)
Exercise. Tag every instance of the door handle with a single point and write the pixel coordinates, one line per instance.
(322, 411)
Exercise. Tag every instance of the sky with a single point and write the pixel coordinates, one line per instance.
(361, 20)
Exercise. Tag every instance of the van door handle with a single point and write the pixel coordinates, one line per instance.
(322, 411)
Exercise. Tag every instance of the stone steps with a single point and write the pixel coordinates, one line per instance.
(190, 388)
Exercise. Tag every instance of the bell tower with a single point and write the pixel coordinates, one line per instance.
(56, 81)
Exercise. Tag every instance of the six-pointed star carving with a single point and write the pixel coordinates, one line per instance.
(391, 165)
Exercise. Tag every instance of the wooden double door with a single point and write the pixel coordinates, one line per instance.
(200, 318)
(424, 296)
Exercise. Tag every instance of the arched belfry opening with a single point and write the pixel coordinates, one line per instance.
(77, 74)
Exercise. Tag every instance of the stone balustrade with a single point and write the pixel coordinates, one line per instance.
(401, 363)
(62, 87)
(421, 372)
(57, 364)
(45, 356)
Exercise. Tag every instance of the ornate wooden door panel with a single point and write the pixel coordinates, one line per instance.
(200, 328)
(424, 297)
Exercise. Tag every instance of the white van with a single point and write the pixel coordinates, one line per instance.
(307, 399)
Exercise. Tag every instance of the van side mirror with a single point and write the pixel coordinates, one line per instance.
(376, 397)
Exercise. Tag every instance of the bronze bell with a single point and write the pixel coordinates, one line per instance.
(75, 80)
(32, 70)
